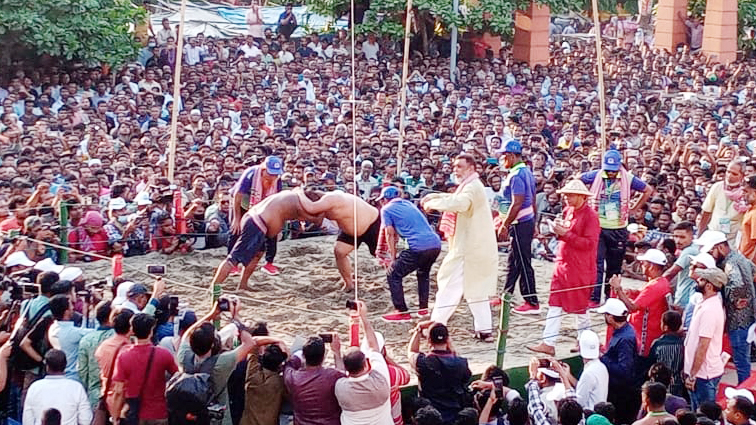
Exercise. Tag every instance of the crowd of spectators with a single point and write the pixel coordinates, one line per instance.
(84, 163)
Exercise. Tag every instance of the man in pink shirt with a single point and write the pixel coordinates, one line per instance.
(107, 351)
(703, 366)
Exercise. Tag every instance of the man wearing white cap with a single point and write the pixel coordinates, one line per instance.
(620, 360)
(593, 385)
(703, 366)
(17, 262)
(127, 233)
(48, 265)
(575, 268)
(649, 304)
(365, 180)
(738, 296)
(739, 407)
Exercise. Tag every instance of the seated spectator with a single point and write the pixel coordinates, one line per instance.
(653, 398)
(69, 398)
(167, 241)
(128, 234)
(89, 237)
(443, 376)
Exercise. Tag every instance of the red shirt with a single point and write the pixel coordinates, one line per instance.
(99, 241)
(399, 377)
(646, 321)
(10, 224)
(131, 367)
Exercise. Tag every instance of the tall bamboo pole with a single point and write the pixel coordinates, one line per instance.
(405, 76)
(176, 93)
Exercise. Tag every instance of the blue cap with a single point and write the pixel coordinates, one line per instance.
(274, 165)
(612, 160)
(513, 146)
(389, 192)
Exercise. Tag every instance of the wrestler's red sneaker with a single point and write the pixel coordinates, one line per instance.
(423, 312)
(397, 316)
(527, 308)
(593, 304)
(270, 269)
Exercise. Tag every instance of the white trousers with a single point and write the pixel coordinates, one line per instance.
(448, 298)
(554, 324)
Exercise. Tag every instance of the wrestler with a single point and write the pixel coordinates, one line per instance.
(264, 220)
(339, 207)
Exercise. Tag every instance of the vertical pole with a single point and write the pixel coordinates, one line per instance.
(63, 231)
(453, 57)
(501, 338)
(176, 93)
(600, 71)
(405, 76)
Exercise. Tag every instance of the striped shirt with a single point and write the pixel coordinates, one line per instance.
(669, 350)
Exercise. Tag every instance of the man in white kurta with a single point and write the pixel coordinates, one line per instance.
(471, 264)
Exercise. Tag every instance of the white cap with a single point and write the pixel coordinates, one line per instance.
(613, 306)
(704, 258)
(710, 238)
(70, 273)
(654, 256)
(731, 392)
(549, 372)
(116, 204)
(48, 265)
(121, 292)
(365, 163)
(364, 347)
(589, 345)
(142, 199)
(18, 258)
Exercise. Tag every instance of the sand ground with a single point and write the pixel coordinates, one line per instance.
(306, 298)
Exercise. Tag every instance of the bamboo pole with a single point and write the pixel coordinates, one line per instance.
(176, 93)
(600, 71)
(405, 77)
(64, 231)
(501, 338)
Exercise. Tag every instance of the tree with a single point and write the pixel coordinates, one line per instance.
(94, 31)
(746, 20)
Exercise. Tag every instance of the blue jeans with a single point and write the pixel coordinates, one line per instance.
(741, 352)
(705, 390)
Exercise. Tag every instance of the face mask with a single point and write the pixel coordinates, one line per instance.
(151, 44)
(319, 107)
(124, 219)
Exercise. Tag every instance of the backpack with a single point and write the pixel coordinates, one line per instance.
(18, 357)
(192, 393)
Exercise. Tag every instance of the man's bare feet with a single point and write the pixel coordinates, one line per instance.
(243, 287)
(347, 287)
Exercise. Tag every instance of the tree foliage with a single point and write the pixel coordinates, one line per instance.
(94, 31)
(746, 20)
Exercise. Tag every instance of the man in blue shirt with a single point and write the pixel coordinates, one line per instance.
(401, 218)
(64, 335)
(613, 187)
(517, 216)
(620, 361)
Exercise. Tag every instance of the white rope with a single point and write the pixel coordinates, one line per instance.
(354, 153)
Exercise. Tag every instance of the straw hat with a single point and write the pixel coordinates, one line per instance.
(575, 187)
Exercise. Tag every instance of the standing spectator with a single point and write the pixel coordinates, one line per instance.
(401, 219)
(695, 31)
(516, 210)
(470, 267)
(365, 180)
(255, 24)
(612, 188)
(370, 47)
(264, 385)
(107, 352)
(737, 295)
(685, 287)
(703, 366)
(311, 389)
(593, 386)
(725, 204)
(287, 22)
(748, 230)
(164, 33)
(646, 306)
(668, 349)
(88, 368)
(364, 394)
(620, 360)
(443, 375)
(64, 335)
(56, 391)
(140, 374)
(575, 270)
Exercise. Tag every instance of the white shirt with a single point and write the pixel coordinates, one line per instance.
(350, 391)
(370, 50)
(250, 51)
(69, 399)
(593, 385)
(285, 57)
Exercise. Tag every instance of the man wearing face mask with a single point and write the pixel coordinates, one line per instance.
(127, 233)
(738, 296)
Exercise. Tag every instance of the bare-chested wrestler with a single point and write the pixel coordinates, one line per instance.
(339, 207)
(265, 219)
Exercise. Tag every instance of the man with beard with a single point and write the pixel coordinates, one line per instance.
(703, 367)
(737, 296)
(725, 204)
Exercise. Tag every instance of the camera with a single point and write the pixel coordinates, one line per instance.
(327, 338)
(351, 304)
(87, 295)
(156, 269)
(216, 412)
(224, 304)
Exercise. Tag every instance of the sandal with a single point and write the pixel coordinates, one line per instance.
(484, 336)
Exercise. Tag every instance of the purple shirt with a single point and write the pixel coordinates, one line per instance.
(311, 392)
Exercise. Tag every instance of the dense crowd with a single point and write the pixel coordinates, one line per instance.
(84, 165)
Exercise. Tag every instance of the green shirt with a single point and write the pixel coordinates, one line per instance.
(89, 369)
(224, 366)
